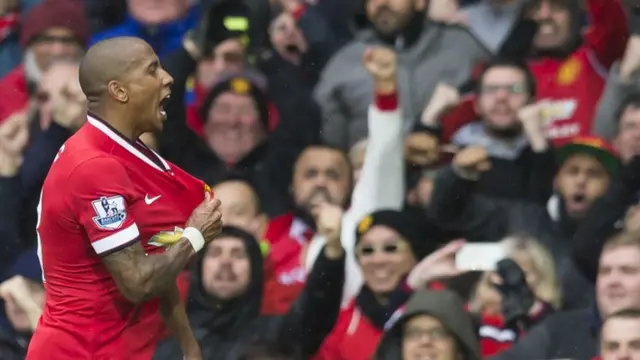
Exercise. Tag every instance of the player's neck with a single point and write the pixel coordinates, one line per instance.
(119, 122)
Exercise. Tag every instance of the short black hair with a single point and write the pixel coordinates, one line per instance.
(530, 81)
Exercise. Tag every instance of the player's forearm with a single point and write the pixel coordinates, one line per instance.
(159, 272)
(175, 317)
(140, 276)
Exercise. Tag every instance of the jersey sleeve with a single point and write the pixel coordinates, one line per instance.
(100, 195)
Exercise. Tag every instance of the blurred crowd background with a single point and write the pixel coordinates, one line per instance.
(402, 130)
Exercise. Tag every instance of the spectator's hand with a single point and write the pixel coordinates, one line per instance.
(471, 162)
(328, 218)
(69, 106)
(14, 136)
(444, 11)
(440, 264)
(517, 297)
(381, 63)
(23, 303)
(533, 122)
(632, 220)
(422, 148)
(630, 63)
(7, 6)
(444, 98)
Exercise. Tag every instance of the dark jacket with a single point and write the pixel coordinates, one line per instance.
(563, 335)
(455, 206)
(443, 305)
(224, 330)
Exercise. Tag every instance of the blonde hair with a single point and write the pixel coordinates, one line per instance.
(622, 239)
(548, 287)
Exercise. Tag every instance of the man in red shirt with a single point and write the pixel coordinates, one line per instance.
(108, 209)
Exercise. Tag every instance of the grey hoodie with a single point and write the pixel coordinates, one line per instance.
(444, 305)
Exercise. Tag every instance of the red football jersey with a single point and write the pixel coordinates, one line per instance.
(103, 193)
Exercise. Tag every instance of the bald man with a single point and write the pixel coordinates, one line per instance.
(116, 222)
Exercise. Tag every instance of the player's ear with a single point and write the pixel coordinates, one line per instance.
(118, 92)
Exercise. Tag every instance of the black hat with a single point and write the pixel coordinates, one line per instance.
(404, 223)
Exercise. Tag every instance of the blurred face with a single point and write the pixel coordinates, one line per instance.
(391, 16)
(233, 126)
(59, 87)
(503, 93)
(55, 43)
(424, 337)
(627, 141)
(148, 87)
(580, 181)
(321, 175)
(618, 282)
(156, 12)
(554, 20)
(286, 38)
(620, 339)
(226, 268)
(228, 56)
(239, 204)
(384, 258)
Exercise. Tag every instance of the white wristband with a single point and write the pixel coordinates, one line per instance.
(195, 238)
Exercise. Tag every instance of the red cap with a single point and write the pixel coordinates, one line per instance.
(67, 14)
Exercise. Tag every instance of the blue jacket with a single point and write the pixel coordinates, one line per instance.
(164, 39)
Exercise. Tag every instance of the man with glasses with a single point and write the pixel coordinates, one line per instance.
(511, 129)
(433, 325)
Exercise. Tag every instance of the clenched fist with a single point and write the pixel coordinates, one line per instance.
(382, 64)
(534, 120)
(328, 219)
(471, 162)
(422, 149)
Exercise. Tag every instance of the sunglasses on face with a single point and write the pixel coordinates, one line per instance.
(367, 250)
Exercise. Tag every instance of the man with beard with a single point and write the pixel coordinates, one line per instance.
(321, 175)
(345, 89)
(510, 128)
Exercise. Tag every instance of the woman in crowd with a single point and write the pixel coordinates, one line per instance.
(501, 307)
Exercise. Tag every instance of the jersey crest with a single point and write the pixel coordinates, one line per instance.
(110, 212)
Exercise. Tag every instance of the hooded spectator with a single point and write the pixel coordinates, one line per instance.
(225, 292)
(433, 324)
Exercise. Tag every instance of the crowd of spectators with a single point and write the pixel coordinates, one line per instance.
(401, 129)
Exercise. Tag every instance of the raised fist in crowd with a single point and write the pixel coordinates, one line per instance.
(382, 64)
(14, 135)
(471, 162)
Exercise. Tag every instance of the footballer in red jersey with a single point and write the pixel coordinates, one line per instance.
(108, 209)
